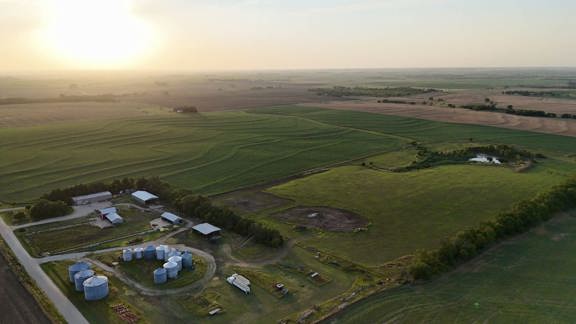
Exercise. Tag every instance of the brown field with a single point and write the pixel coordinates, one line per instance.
(543, 125)
(16, 304)
(324, 218)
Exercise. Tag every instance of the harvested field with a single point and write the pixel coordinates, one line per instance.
(16, 304)
(463, 116)
(324, 218)
(251, 202)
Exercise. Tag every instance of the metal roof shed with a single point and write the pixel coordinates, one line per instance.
(95, 197)
(169, 217)
(144, 196)
(206, 229)
(114, 218)
(106, 211)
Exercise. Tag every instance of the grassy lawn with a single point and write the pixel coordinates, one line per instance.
(57, 237)
(527, 279)
(414, 210)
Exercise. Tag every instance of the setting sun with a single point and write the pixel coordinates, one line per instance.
(91, 33)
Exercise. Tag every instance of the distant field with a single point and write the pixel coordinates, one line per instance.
(31, 114)
(413, 210)
(528, 279)
(208, 153)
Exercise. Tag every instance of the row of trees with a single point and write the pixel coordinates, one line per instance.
(44, 209)
(470, 243)
(201, 207)
(371, 92)
(188, 204)
(428, 158)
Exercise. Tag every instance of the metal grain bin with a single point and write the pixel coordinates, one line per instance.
(96, 288)
(127, 255)
(160, 253)
(178, 260)
(138, 252)
(80, 277)
(171, 269)
(150, 252)
(187, 261)
(160, 276)
(75, 268)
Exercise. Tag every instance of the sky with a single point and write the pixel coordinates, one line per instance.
(284, 34)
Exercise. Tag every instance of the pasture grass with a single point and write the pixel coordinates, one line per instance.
(526, 279)
(413, 210)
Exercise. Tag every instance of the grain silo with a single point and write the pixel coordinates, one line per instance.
(160, 276)
(160, 253)
(96, 288)
(150, 252)
(127, 255)
(187, 261)
(80, 277)
(171, 269)
(166, 252)
(138, 252)
(178, 260)
(75, 268)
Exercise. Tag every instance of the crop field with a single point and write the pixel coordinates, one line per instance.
(208, 153)
(527, 279)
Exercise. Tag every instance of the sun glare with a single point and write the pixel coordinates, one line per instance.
(95, 33)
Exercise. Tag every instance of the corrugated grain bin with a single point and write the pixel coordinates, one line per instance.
(171, 269)
(80, 277)
(187, 261)
(160, 276)
(160, 253)
(96, 288)
(166, 252)
(75, 268)
(178, 260)
(150, 252)
(127, 255)
(138, 252)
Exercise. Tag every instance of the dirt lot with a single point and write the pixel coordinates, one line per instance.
(251, 202)
(16, 304)
(325, 218)
(543, 125)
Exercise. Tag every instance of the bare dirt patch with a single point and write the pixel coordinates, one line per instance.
(251, 202)
(325, 218)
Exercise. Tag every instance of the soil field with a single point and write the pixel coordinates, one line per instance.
(324, 218)
(462, 116)
(17, 306)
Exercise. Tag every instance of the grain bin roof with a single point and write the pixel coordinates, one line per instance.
(144, 195)
(206, 228)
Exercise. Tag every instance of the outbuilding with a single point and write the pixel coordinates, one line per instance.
(92, 198)
(207, 230)
(144, 197)
(114, 218)
(171, 218)
(105, 211)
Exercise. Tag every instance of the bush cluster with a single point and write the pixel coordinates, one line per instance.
(44, 209)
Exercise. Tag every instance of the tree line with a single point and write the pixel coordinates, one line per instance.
(371, 92)
(189, 204)
(470, 243)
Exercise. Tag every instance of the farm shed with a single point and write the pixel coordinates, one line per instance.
(114, 218)
(144, 197)
(207, 230)
(105, 211)
(92, 198)
(171, 218)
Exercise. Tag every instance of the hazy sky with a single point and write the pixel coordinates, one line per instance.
(283, 34)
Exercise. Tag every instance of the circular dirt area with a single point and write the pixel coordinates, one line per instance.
(325, 218)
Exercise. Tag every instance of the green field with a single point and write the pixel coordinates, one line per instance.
(209, 153)
(528, 279)
(413, 210)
